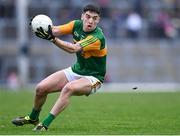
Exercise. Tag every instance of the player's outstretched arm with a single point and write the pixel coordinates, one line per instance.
(56, 31)
(63, 29)
(67, 46)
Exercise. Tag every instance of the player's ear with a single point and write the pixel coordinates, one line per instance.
(98, 20)
(82, 16)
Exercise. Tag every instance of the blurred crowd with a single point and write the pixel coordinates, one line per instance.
(121, 18)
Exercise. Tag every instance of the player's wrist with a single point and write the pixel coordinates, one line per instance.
(54, 40)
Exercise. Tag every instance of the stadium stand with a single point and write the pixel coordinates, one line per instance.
(152, 56)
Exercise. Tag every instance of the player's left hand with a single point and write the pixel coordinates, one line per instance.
(45, 34)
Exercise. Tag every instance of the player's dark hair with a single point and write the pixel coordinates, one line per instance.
(92, 8)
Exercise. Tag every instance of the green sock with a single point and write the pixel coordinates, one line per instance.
(48, 120)
(34, 114)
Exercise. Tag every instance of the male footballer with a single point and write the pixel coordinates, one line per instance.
(85, 77)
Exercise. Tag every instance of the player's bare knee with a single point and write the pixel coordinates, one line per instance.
(40, 90)
(68, 89)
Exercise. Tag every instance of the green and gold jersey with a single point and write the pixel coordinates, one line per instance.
(91, 61)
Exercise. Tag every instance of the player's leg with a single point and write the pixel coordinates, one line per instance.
(82, 86)
(52, 83)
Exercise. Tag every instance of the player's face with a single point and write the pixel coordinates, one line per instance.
(90, 20)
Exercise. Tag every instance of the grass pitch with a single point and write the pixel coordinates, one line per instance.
(98, 114)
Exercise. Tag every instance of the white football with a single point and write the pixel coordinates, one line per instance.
(41, 21)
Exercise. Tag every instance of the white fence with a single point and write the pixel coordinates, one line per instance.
(141, 87)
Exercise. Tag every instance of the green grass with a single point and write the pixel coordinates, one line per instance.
(101, 113)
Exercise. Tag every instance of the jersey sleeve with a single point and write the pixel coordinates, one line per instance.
(66, 28)
(90, 43)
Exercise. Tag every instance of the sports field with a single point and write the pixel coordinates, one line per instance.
(101, 113)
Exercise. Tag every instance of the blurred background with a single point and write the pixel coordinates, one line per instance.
(143, 39)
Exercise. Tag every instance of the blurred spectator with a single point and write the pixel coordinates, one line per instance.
(134, 25)
(162, 26)
(117, 24)
(13, 81)
(138, 6)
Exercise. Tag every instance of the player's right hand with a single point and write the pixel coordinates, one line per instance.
(45, 34)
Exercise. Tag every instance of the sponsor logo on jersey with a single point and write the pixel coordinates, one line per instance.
(76, 34)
